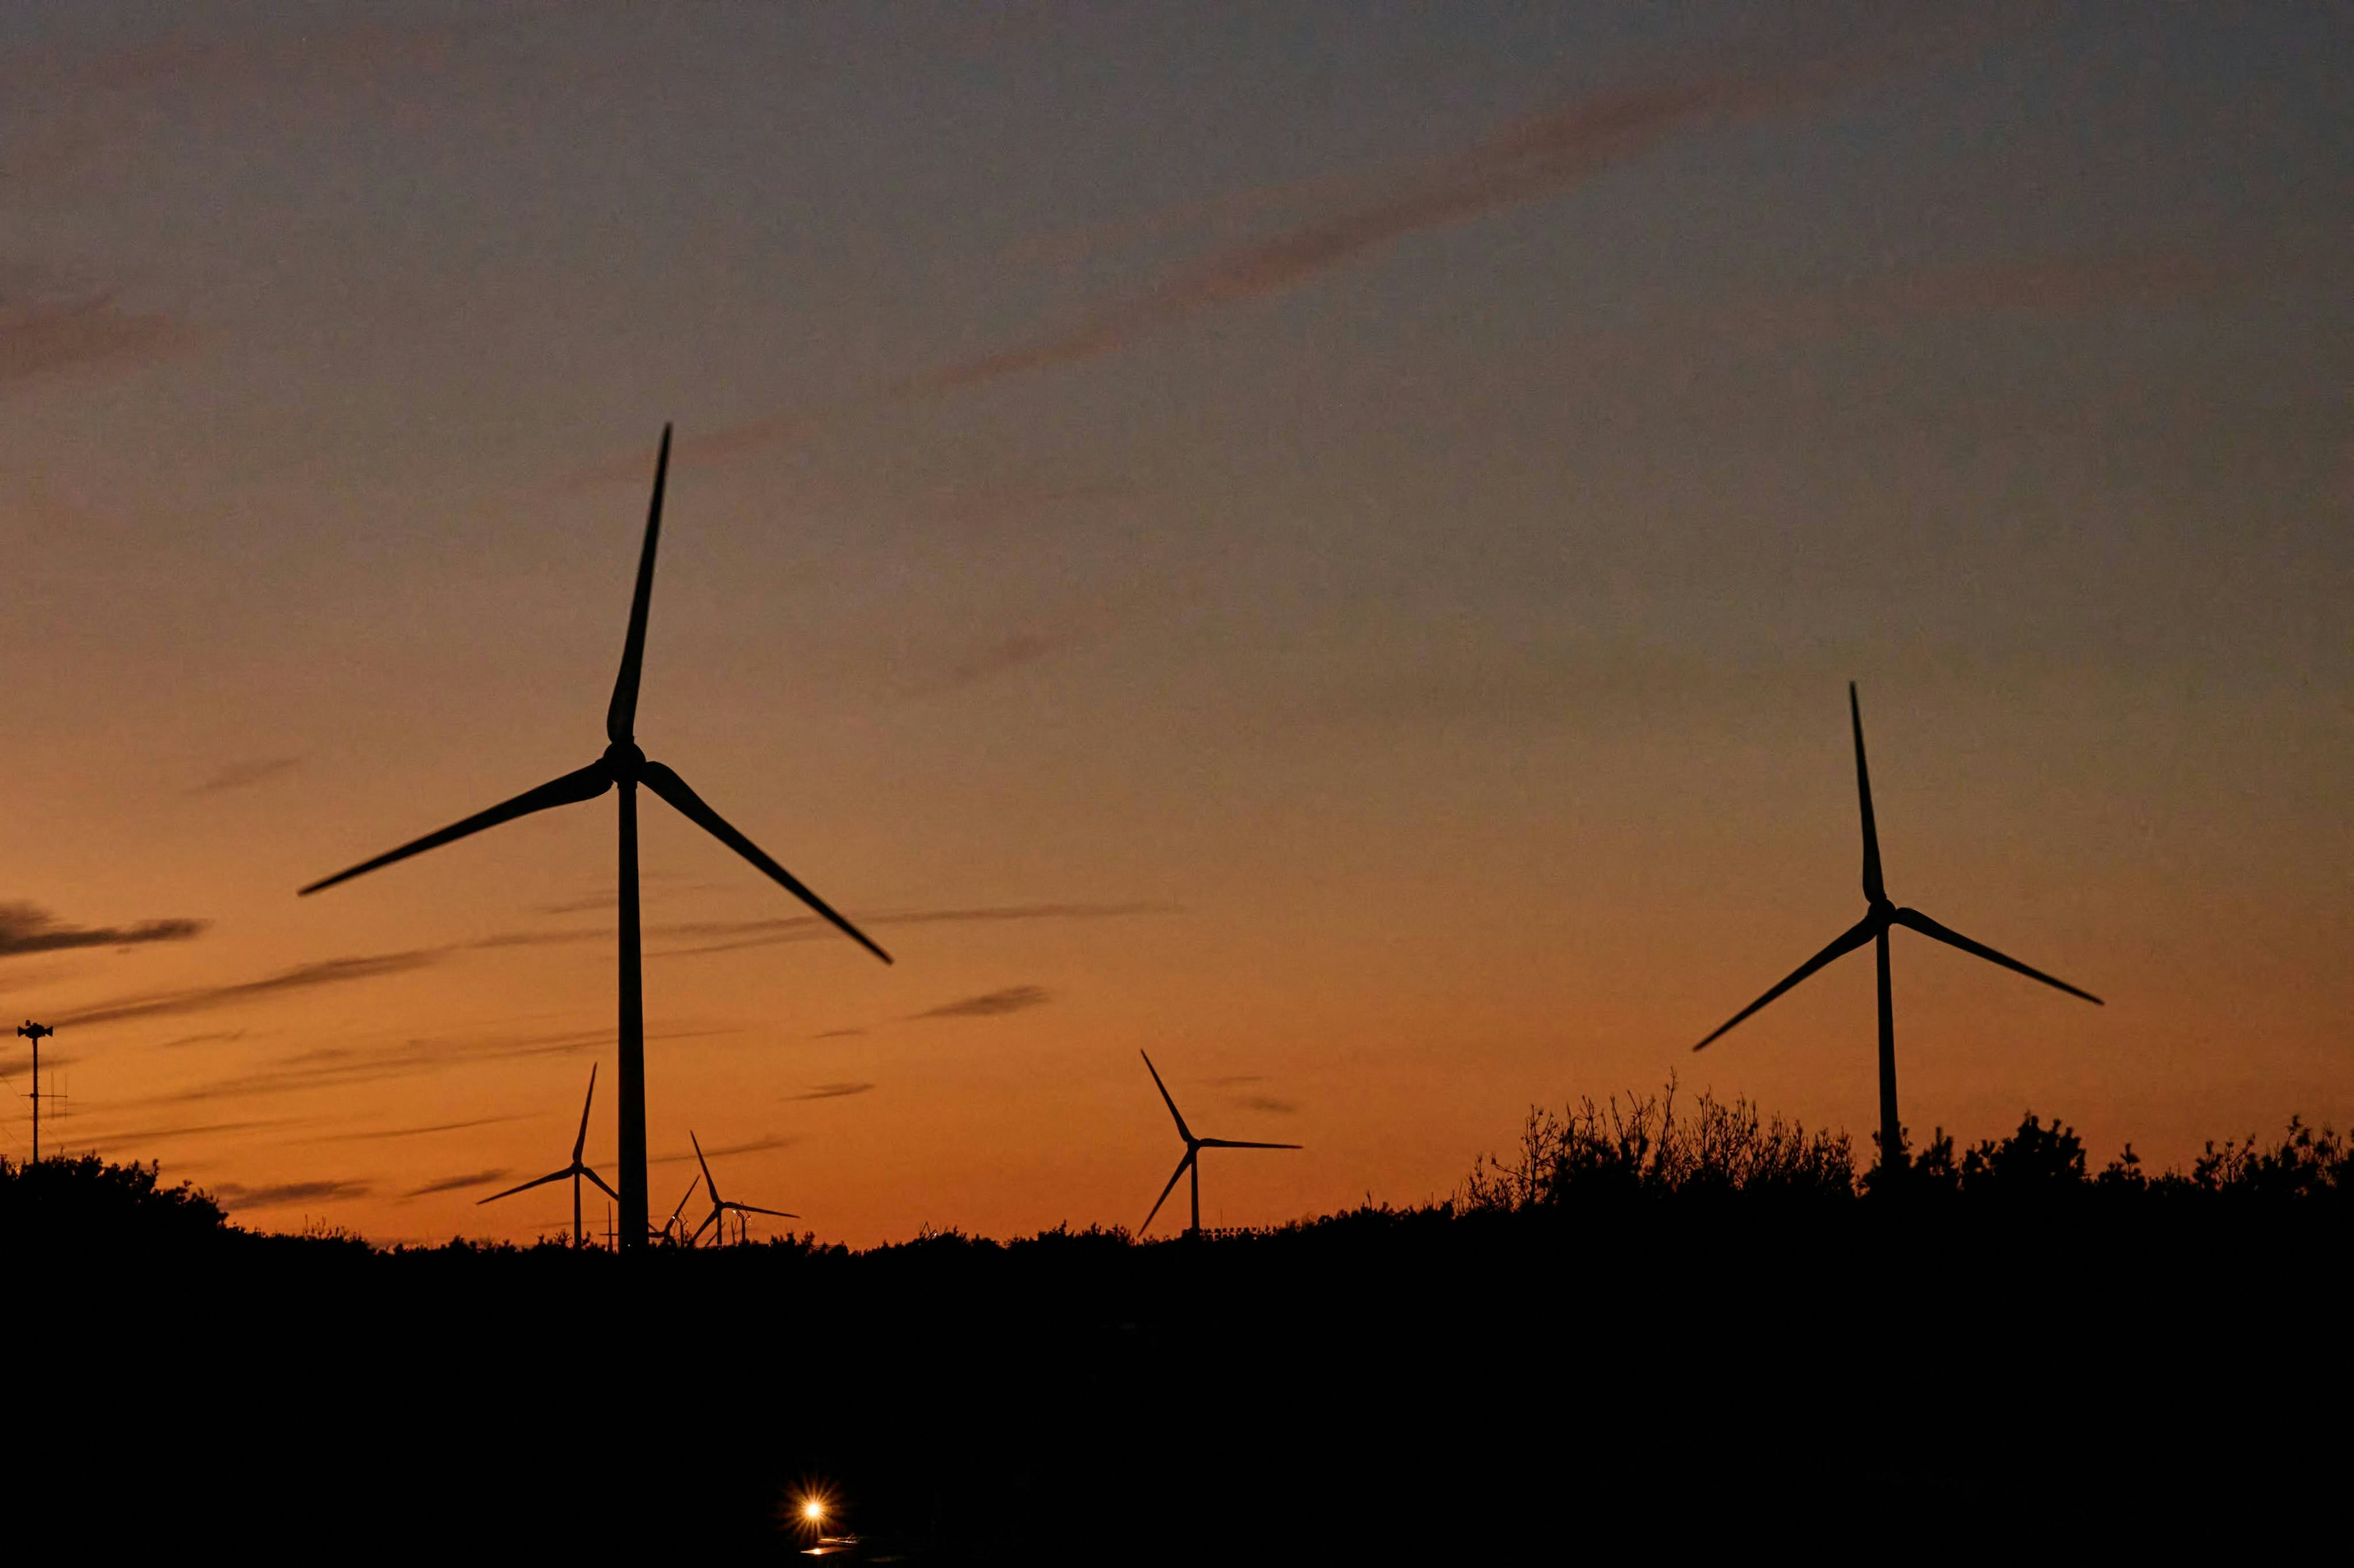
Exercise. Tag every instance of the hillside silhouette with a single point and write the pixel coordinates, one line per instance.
(1655, 1308)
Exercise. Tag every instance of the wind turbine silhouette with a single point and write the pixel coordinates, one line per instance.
(1880, 914)
(625, 767)
(719, 1205)
(576, 1169)
(1193, 1159)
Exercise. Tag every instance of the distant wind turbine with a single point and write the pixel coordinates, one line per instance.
(1880, 914)
(1192, 1159)
(721, 1206)
(624, 765)
(576, 1170)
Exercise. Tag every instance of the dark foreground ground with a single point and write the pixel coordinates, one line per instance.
(1501, 1388)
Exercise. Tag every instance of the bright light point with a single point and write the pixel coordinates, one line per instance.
(812, 1510)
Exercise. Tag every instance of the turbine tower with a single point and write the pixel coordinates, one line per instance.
(624, 767)
(1193, 1159)
(721, 1206)
(576, 1170)
(1879, 915)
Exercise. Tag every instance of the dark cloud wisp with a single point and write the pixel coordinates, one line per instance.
(991, 1004)
(29, 928)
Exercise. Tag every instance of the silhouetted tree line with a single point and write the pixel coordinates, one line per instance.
(84, 1196)
(1646, 1148)
(1700, 1152)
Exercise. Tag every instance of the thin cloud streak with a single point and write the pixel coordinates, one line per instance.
(829, 1092)
(410, 1131)
(992, 1004)
(245, 774)
(233, 1196)
(768, 1141)
(1536, 157)
(301, 977)
(29, 928)
(40, 338)
(457, 1183)
(809, 927)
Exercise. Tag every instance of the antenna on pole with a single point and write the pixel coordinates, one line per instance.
(36, 1032)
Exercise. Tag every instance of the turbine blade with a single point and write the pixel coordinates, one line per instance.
(1874, 888)
(699, 1160)
(1847, 941)
(590, 1172)
(583, 784)
(535, 1181)
(675, 1214)
(1914, 920)
(667, 784)
(708, 1221)
(1182, 1130)
(581, 1142)
(1230, 1143)
(756, 1209)
(1166, 1190)
(621, 715)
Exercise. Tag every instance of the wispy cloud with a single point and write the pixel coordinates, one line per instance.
(338, 1067)
(837, 1034)
(29, 928)
(457, 1183)
(829, 1091)
(991, 1004)
(245, 774)
(210, 1037)
(1009, 653)
(379, 1133)
(233, 1196)
(1538, 156)
(725, 936)
(766, 1141)
(1267, 1103)
(301, 977)
(43, 337)
(141, 1138)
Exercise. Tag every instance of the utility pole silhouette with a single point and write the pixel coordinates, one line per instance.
(36, 1032)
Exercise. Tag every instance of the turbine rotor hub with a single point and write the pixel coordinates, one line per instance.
(624, 761)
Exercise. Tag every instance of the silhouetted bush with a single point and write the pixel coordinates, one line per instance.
(1602, 1153)
(86, 1200)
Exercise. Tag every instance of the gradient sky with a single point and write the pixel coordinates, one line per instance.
(1321, 542)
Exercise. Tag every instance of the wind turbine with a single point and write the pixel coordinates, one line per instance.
(1880, 914)
(721, 1206)
(576, 1169)
(623, 765)
(1193, 1159)
(670, 1226)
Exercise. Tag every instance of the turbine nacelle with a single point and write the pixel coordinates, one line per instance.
(623, 762)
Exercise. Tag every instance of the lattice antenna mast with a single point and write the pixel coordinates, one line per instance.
(36, 1032)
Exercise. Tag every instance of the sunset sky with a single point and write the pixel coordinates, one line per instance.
(1322, 542)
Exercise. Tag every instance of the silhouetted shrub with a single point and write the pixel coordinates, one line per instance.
(1604, 1154)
